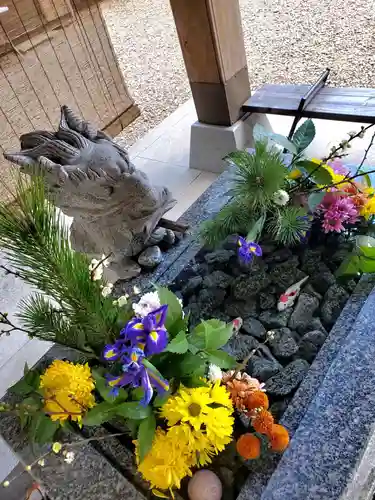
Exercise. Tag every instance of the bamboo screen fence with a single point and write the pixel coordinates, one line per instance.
(55, 52)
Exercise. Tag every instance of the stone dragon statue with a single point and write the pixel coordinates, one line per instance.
(114, 206)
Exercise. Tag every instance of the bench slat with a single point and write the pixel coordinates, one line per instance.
(341, 103)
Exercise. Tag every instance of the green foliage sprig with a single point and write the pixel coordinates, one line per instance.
(71, 310)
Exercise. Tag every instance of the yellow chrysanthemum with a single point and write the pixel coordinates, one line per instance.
(220, 395)
(67, 390)
(219, 426)
(189, 405)
(295, 174)
(335, 178)
(369, 208)
(196, 444)
(167, 463)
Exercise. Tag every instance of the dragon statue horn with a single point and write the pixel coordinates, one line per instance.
(69, 120)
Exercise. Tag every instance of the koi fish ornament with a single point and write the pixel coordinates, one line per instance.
(288, 298)
(237, 325)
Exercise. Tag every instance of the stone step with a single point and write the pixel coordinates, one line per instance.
(359, 304)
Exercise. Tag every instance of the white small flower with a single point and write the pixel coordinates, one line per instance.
(280, 197)
(136, 290)
(148, 303)
(97, 274)
(121, 301)
(214, 373)
(107, 290)
(42, 462)
(6, 484)
(105, 261)
(69, 457)
(96, 269)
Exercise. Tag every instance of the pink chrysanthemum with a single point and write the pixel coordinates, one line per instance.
(336, 211)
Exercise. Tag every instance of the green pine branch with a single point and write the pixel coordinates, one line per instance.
(258, 175)
(288, 224)
(36, 242)
(236, 217)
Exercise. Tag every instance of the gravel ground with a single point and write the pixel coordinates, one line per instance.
(287, 41)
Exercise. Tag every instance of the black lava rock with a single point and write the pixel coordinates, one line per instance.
(217, 279)
(220, 256)
(286, 274)
(322, 279)
(315, 324)
(286, 381)
(316, 337)
(241, 346)
(192, 285)
(267, 300)
(311, 258)
(282, 343)
(333, 302)
(209, 298)
(303, 311)
(275, 319)
(262, 368)
(235, 308)
(277, 256)
(245, 287)
(255, 328)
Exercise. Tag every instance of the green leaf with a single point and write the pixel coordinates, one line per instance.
(256, 229)
(366, 246)
(99, 414)
(44, 429)
(210, 334)
(146, 432)
(179, 344)
(154, 373)
(315, 199)
(133, 410)
(197, 337)
(220, 358)
(191, 363)
(174, 312)
(304, 135)
(260, 133)
(349, 266)
(320, 175)
(367, 265)
(28, 384)
(217, 333)
(104, 391)
(161, 399)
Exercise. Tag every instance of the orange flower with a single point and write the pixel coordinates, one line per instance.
(257, 399)
(248, 446)
(262, 421)
(356, 192)
(239, 390)
(279, 437)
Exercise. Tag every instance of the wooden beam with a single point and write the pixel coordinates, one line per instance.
(212, 44)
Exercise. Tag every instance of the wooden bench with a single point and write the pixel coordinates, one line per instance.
(316, 101)
(330, 103)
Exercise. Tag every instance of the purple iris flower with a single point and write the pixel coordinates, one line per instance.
(136, 374)
(247, 250)
(149, 333)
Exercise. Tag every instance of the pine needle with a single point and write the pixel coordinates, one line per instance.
(36, 243)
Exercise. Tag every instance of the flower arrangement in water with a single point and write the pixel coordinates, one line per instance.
(280, 196)
(139, 362)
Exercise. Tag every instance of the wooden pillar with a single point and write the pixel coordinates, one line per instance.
(212, 44)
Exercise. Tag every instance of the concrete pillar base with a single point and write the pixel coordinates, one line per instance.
(210, 143)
